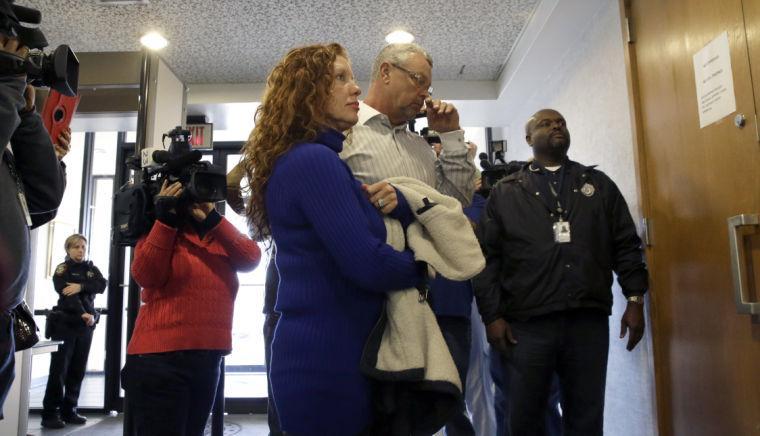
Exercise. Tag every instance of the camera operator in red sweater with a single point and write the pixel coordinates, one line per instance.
(187, 266)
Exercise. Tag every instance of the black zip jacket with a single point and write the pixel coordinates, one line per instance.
(528, 274)
(42, 179)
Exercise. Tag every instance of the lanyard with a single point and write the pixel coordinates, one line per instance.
(8, 158)
(558, 193)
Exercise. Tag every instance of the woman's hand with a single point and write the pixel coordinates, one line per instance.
(199, 211)
(382, 195)
(167, 197)
(88, 319)
(173, 190)
(72, 289)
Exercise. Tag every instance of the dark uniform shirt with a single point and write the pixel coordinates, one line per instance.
(89, 277)
(528, 273)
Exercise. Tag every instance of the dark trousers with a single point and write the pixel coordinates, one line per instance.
(574, 345)
(457, 334)
(7, 358)
(270, 322)
(171, 393)
(67, 369)
(501, 400)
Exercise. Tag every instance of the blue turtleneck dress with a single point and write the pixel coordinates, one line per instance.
(334, 269)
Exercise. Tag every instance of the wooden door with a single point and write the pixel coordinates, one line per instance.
(707, 356)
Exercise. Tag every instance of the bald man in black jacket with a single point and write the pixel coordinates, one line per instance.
(552, 234)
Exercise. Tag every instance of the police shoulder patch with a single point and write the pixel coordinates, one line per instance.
(588, 189)
(90, 274)
(60, 269)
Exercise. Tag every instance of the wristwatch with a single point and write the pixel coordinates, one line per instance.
(638, 299)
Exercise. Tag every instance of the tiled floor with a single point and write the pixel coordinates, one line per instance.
(103, 425)
(237, 385)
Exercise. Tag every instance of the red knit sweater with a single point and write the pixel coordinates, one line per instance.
(189, 287)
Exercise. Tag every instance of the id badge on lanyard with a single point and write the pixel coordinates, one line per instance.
(25, 208)
(561, 232)
(561, 228)
(19, 187)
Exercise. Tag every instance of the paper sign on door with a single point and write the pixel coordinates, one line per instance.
(715, 81)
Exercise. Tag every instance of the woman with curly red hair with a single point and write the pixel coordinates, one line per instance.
(333, 264)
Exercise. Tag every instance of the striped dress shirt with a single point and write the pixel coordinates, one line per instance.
(375, 150)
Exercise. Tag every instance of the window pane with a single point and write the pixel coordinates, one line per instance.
(100, 231)
(244, 366)
(104, 153)
(49, 252)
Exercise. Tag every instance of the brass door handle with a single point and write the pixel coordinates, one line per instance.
(743, 307)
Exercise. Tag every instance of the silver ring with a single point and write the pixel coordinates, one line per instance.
(380, 203)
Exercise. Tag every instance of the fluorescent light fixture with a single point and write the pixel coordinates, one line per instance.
(399, 37)
(154, 41)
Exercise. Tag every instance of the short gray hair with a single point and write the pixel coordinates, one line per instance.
(397, 54)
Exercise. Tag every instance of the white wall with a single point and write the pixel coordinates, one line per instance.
(587, 84)
(166, 107)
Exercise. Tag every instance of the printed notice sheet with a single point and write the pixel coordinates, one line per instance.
(715, 81)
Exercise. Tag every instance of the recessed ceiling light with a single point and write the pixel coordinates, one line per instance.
(154, 41)
(399, 37)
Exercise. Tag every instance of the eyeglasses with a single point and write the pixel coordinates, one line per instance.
(418, 79)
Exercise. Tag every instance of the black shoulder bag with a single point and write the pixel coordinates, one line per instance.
(24, 327)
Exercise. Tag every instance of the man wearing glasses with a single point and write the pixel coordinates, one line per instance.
(381, 146)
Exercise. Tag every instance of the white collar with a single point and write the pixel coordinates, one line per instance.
(366, 113)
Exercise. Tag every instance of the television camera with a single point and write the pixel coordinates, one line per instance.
(201, 181)
(58, 70)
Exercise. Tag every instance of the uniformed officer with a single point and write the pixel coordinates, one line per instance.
(552, 234)
(73, 321)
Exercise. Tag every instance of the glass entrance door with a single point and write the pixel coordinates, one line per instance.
(245, 387)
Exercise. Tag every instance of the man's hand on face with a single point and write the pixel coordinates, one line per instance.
(442, 117)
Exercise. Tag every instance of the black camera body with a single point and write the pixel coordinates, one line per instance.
(495, 170)
(134, 211)
(58, 70)
(202, 181)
